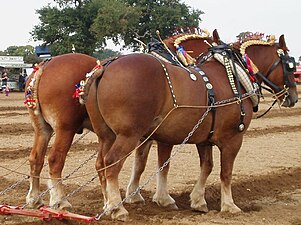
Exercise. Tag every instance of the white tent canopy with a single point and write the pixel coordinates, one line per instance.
(13, 62)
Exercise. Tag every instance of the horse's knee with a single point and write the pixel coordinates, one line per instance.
(32, 159)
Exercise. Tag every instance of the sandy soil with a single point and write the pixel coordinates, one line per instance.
(266, 177)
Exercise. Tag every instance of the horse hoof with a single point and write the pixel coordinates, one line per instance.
(202, 208)
(31, 204)
(120, 214)
(136, 199)
(64, 205)
(168, 202)
(172, 206)
(232, 208)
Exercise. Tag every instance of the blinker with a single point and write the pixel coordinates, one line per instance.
(290, 63)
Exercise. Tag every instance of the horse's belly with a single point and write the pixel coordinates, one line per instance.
(188, 125)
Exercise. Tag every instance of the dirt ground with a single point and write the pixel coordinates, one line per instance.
(266, 176)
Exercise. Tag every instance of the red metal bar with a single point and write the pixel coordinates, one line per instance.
(45, 213)
(8, 210)
(63, 214)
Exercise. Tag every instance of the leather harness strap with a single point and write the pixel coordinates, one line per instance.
(211, 97)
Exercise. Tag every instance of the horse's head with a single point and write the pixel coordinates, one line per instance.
(195, 45)
(273, 66)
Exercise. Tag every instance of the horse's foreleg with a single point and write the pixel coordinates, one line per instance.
(138, 167)
(56, 160)
(197, 195)
(162, 197)
(228, 154)
(36, 160)
(114, 160)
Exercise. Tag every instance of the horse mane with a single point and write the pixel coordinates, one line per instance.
(250, 39)
(176, 40)
(270, 41)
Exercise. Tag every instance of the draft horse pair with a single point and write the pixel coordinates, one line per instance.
(52, 109)
(134, 95)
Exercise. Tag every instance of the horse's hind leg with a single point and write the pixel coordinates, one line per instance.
(104, 146)
(56, 160)
(197, 195)
(162, 197)
(139, 163)
(117, 154)
(228, 154)
(42, 136)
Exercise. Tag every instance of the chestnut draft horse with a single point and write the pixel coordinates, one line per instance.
(55, 111)
(255, 50)
(52, 109)
(161, 101)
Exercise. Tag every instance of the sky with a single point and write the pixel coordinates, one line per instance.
(229, 17)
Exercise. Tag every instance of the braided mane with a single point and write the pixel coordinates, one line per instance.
(250, 39)
(176, 40)
(249, 42)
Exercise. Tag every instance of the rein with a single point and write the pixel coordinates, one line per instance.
(277, 95)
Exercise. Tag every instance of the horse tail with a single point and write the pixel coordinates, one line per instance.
(31, 92)
(85, 85)
(95, 75)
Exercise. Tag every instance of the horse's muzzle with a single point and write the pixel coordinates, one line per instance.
(290, 101)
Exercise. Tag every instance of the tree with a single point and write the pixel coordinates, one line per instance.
(105, 53)
(89, 23)
(63, 28)
(141, 19)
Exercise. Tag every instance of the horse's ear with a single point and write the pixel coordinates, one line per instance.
(216, 37)
(282, 43)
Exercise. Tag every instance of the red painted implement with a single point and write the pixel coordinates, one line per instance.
(45, 213)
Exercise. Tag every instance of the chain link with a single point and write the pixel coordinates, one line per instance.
(42, 194)
(56, 205)
(234, 99)
(13, 186)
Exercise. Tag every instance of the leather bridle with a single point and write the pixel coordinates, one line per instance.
(288, 65)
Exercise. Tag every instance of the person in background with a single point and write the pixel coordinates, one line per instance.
(21, 82)
(6, 90)
(4, 79)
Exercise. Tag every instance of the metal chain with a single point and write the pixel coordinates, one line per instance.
(81, 137)
(13, 186)
(76, 190)
(138, 189)
(248, 94)
(42, 194)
